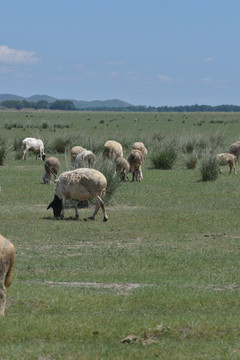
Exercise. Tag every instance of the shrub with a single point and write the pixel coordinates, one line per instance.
(191, 161)
(18, 154)
(164, 158)
(3, 151)
(44, 125)
(209, 168)
(108, 169)
(60, 144)
(17, 144)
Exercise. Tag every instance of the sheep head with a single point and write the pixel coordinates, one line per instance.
(56, 205)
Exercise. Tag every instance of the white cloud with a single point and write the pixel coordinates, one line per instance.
(209, 59)
(115, 63)
(13, 56)
(114, 74)
(207, 80)
(164, 79)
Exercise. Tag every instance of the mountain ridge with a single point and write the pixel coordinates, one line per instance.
(78, 103)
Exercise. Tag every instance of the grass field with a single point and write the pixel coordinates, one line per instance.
(164, 268)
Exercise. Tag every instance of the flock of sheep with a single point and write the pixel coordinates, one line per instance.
(84, 183)
(80, 184)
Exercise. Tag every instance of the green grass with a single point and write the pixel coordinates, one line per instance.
(174, 235)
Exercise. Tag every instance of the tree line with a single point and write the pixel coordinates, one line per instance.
(68, 105)
(42, 104)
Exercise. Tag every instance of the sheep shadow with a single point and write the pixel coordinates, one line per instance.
(69, 218)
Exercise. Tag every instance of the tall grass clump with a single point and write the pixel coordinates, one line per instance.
(17, 144)
(60, 144)
(209, 167)
(3, 151)
(164, 157)
(108, 169)
(191, 160)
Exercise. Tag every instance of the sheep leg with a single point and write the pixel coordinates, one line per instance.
(76, 209)
(24, 154)
(99, 203)
(63, 207)
(105, 217)
(2, 300)
(97, 207)
(230, 167)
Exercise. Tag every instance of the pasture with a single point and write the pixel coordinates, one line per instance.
(164, 267)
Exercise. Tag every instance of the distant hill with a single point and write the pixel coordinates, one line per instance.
(36, 98)
(79, 104)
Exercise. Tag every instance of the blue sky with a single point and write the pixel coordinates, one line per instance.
(145, 52)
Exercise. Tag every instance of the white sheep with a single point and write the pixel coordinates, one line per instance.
(227, 159)
(85, 159)
(112, 150)
(52, 166)
(135, 160)
(79, 185)
(141, 147)
(75, 151)
(122, 168)
(7, 260)
(235, 149)
(34, 145)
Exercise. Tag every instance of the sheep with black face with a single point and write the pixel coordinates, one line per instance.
(79, 185)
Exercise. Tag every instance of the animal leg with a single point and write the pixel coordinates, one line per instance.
(230, 168)
(63, 206)
(97, 207)
(2, 300)
(105, 217)
(76, 209)
(24, 154)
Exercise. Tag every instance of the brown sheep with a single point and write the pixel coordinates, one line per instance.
(235, 149)
(75, 151)
(135, 160)
(227, 159)
(122, 168)
(52, 166)
(7, 260)
(112, 150)
(141, 147)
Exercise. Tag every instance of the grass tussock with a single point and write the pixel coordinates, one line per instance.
(108, 169)
(209, 167)
(3, 151)
(165, 157)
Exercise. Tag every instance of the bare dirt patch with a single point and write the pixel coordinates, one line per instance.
(119, 287)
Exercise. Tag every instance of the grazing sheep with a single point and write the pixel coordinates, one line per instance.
(78, 185)
(85, 159)
(7, 260)
(227, 159)
(34, 145)
(112, 150)
(75, 151)
(141, 147)
(52, 166)
(122, 168)
(135, 160)
(235, 149)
